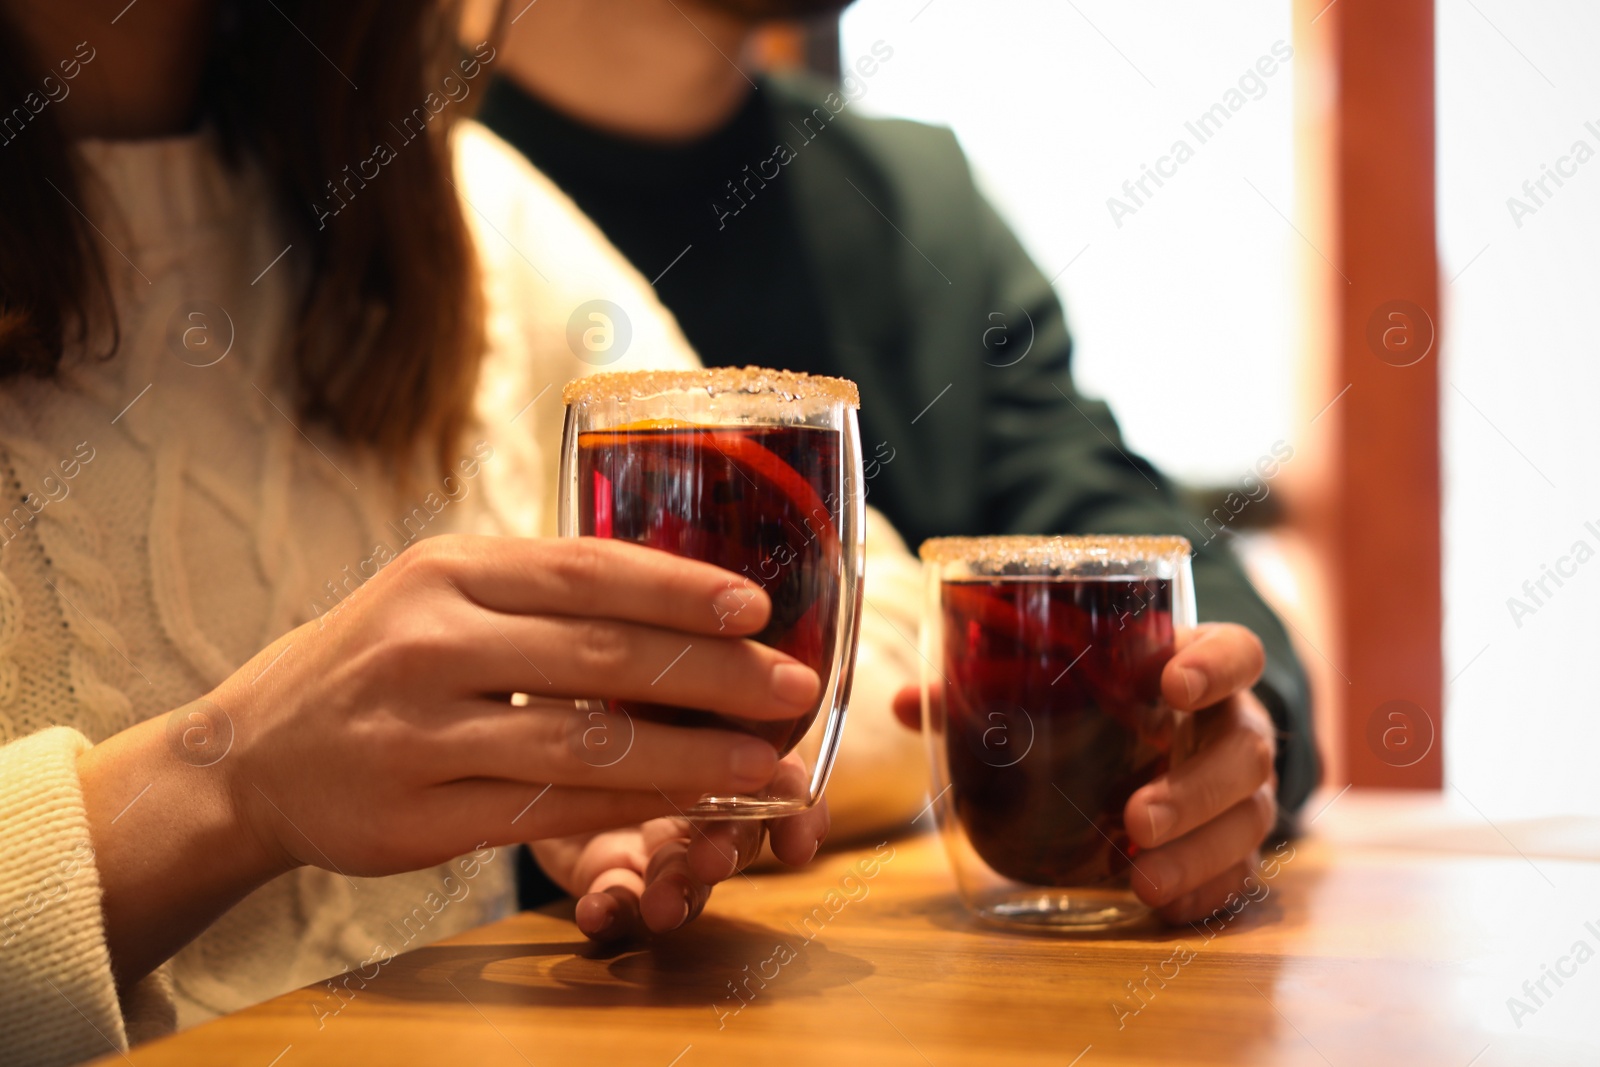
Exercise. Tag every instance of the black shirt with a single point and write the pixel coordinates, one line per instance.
(720, 242)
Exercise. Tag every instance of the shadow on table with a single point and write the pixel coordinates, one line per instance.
(692, 966)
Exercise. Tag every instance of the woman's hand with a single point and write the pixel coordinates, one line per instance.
(658, 876)
(381, 737)
(400, 700)
(1198, 827)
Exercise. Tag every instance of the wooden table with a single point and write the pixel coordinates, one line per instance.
(1365, 948)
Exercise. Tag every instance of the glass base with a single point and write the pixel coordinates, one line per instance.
(746, 807)
(1065, 911)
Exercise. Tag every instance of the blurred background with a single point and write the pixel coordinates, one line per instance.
(1350, 264)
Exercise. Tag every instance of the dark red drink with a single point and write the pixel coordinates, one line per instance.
(760, 501)
(1054, 718)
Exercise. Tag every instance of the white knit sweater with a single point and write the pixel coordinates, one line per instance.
(172, 518)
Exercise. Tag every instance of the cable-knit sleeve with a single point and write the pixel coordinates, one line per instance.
(58, 1000)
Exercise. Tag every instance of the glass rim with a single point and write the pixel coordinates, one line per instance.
(714, 381)
(1052, 550)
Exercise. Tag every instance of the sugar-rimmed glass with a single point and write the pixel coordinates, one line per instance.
(759, 472)
(1043, 713)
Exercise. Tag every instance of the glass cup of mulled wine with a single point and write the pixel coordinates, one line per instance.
(758, 472)
(1042, 709)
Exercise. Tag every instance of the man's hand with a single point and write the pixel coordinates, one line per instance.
(1198, 827)
(657, 876)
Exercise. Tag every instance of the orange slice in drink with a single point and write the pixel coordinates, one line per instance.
(740, 449)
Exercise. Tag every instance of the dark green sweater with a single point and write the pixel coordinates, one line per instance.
(804, 236)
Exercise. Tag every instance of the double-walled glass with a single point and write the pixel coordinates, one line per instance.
(1043, 712)
(758, 472)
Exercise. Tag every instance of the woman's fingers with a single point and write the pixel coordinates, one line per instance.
(627, 848)
(593, 577)
(1235, 759)
(719, 850)
(1213, 662)
(659, 876)
(796, 838)
(551, 741)
(590, 617)
(610, 867)
(610, 910)
(1163, 875)
(593, 657)
(672, 894)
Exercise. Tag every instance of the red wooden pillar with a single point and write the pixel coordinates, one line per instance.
(1365, 107)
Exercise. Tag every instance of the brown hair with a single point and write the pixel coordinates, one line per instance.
(390, 329)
